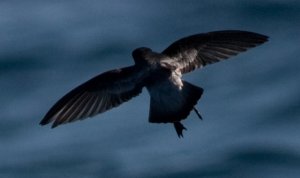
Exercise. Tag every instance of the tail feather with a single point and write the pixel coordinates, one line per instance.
(169, 104)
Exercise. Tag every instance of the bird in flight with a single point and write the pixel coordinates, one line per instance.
(171, 98)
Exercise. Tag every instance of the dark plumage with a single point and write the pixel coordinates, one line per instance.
(172, 99)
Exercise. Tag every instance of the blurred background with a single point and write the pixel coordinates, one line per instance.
(251, 103)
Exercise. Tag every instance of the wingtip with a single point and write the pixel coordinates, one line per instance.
(46, 120)
(262, 38)
(55, 124)
(265, 38)
(43, 122)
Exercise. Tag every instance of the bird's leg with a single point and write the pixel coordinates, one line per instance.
(179, 128)
(198, 114)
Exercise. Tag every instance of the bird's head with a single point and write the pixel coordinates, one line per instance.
(139, 55)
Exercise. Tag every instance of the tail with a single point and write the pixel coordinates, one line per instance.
(169, 104)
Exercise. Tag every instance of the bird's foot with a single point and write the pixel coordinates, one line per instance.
(179, 128)
(198, 114)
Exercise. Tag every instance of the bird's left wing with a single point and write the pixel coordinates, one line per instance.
(97, 95)
(199, 50)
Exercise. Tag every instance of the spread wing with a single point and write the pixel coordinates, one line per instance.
(97, 95)
(199, 50)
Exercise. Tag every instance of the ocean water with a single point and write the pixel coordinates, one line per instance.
(251, 103)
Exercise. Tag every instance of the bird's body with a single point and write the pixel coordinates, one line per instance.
(171, 98)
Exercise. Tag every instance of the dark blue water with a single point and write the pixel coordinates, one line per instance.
(251, 104)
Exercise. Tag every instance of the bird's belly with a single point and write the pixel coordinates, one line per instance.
(157, 77)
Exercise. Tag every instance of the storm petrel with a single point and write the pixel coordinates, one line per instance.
(171, 98)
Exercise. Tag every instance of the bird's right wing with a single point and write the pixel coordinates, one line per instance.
(97, 95)
(199, 50)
